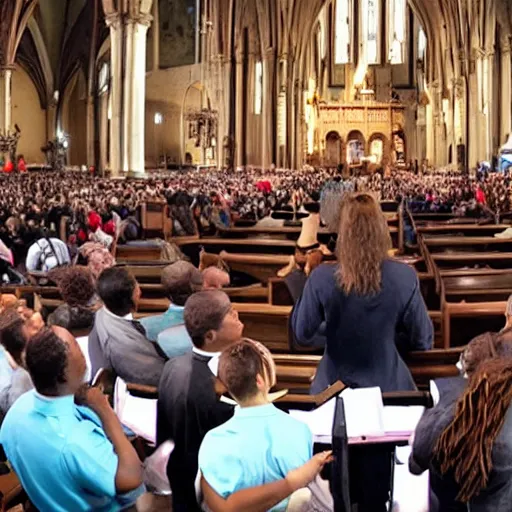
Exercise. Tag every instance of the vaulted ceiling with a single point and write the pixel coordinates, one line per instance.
(455, 28)
(54, 40)
(51, 38)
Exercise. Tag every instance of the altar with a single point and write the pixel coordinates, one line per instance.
(352, 133)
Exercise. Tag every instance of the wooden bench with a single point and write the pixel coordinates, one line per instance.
(467, 230)
(296, 372)
(473, 244)
(130, 253)
(463, 321)
(473, 287)
(460, 260)
(11, 491)
(259, 266)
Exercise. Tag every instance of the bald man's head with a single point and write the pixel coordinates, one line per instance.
(214, 278)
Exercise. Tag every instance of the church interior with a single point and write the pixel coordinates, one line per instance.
(256, 255)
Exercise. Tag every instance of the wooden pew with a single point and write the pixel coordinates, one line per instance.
(463, 321)
(296, 372)
(129, 253)
(472, 298)
(473, 287)
(249, 245)
(259, 266)
(458, 260)
(149, 279)
(442, 244)
(467, 230)
(270, 324)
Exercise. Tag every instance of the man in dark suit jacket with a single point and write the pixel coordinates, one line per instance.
(188, 406)
(117, 341)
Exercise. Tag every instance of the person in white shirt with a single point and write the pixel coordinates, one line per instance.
(47, 253)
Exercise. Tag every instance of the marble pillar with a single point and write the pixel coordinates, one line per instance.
(90, 131)
(115, 25)
(489, 103)
(239, 110)
(506, 90)
(5, 96)
(135, 94)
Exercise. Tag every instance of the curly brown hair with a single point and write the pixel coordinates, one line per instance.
(11, 335)
(465, 446)
(76, 285)
(363, 244)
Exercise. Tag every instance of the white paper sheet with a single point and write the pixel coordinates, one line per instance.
(138, 414)
(83, 343)
(365, 415)
(402, 420)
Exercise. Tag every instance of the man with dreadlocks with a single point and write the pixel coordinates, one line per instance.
(466, 439)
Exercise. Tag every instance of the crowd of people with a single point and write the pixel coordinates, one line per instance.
(232, 448)
(42, 213)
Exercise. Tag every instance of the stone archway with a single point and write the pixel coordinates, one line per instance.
(356, 147)
(333, 149)
(379, 146)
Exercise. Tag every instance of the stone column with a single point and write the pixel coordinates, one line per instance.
(116, 90)
(137, 111)
(266, 118)
(128, 80)
(90, 131)
(239, 111)
(489, 102)
(506, 92)
(5, 97)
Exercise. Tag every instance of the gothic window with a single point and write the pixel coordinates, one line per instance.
(258, 88)
(103, 78)
(397, 31)
(422, 44)
(343, 31)
(371, 23)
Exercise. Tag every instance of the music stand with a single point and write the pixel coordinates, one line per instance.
(340, 472)
(340, 480)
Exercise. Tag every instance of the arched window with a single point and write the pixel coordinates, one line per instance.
(370, 21)
(422, 44)
(258, 87)
(103, 78)
(397, 32)
(343, 32)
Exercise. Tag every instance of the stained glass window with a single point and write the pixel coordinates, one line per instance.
(397, 31)
(258, 88)
(371, 22)
(343, 31)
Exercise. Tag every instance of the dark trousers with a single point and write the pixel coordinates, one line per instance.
(183, 491)
(370, 468)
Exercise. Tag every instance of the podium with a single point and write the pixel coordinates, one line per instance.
(357, 456)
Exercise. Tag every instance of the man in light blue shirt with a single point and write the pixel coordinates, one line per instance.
(180, 280)
(260, 444)
(68, 457)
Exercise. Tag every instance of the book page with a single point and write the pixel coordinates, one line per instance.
(363, 413)
(402, 420)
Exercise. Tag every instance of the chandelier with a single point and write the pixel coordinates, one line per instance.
(204, 114)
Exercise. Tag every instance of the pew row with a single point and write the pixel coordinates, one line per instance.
(444, 244)
(467, 230)
(296, 372)
(463, 321)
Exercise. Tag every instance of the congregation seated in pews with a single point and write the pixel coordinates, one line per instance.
(175, 336)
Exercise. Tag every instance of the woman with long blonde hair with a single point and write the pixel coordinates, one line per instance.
(368, 306)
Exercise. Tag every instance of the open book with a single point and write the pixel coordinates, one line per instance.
(367, 417)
